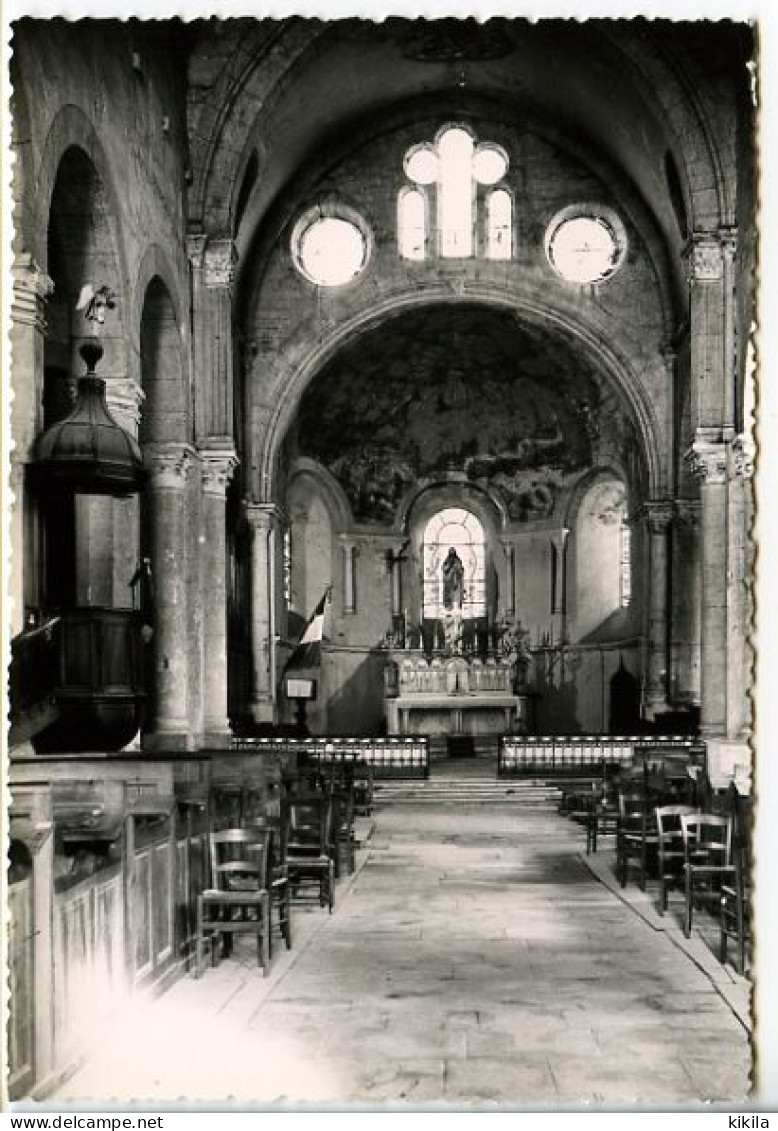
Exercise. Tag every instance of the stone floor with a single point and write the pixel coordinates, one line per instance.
(474, 958)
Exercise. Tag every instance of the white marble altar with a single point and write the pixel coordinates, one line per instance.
(453, 695)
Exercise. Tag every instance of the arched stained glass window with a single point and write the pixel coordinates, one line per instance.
(452, 167)
(288, 566)
(412, 223)
(458, 530)
(499, 224)
(625, 564)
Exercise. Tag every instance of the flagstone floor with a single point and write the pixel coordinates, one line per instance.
(474, 958)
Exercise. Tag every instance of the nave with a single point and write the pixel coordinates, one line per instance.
(476, 956)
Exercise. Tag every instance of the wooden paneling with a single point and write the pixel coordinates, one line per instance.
(88, 959)
(152, 907)
(21, 1054)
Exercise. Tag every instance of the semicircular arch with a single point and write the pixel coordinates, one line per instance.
(621, 364)
(71, 128)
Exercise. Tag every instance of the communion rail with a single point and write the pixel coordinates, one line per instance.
(393, 757)
(586, 754)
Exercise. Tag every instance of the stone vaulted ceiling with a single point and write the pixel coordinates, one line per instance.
(467, 391)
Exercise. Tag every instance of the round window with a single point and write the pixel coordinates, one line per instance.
(585, 247)
(330, 250)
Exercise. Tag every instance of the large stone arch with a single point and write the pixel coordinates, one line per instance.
(243, 70)
(165, 416)
(155, 263)
(81, 245)
(620, 362)
(72, 128)
(327, 485)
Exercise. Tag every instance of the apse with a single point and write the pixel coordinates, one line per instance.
(462, 391)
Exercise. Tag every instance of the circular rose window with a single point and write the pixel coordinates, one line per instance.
(585, 247)
(330, 250)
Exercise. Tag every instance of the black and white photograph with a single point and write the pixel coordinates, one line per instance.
(380, 407)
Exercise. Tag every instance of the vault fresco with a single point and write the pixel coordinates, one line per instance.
(468, 391)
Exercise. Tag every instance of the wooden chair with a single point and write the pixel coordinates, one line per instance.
(671, 853)
(603, 815)
(707, 841)
(277, 877)
(343, 822)
(636, 839)
(239, 902)
(735, 912)
(309, 849)
(363, 788)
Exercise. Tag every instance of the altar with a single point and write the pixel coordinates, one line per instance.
(452, 695)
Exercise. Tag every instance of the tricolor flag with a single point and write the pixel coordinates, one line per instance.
(307, 653)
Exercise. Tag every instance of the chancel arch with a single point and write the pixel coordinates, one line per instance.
(621, 364)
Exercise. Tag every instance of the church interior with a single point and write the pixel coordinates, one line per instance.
(383, 439)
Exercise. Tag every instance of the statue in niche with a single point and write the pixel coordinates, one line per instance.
(453, 599)
(453, 581)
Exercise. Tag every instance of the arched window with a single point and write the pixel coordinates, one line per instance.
(602, 574)
(288, 566)
(625, 563)
(412, 223)
(456, 165)
(459, 530)
(499, 225)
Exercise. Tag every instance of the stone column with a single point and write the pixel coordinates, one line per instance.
(708, 461)
(169, 465)
(658, 515)
(739, 582)
(218, 465)
(510, 561)
(397, 583)
(213, 274)
(559, 542)
(262, 518)
(348, 551)
(712, 328)
(31, 287)
(686, 603)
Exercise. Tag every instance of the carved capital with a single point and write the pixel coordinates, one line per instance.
(728, 239)
(687, 512)
(31, 288)
(708, 252)
(168, 465)
(195, 248)
(219, 262)
(705, 259)
(261, 517)
(658, 514)
(707, 461)
(743, 455)
(218, 465)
